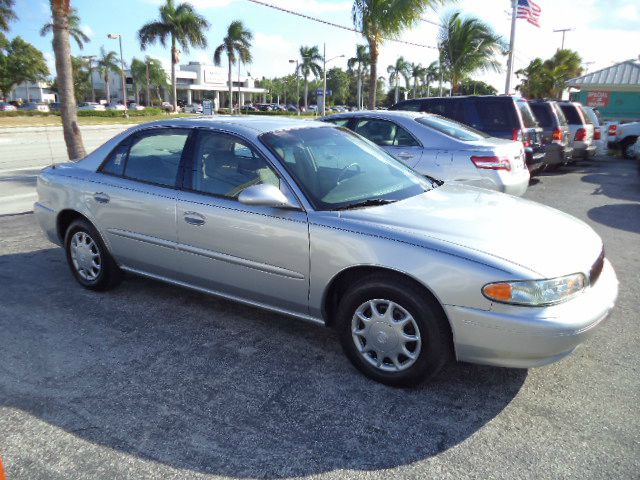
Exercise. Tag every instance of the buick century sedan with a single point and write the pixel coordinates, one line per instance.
(313, 221)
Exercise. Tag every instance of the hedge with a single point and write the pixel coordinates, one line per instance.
(147, 112)
(28, 113)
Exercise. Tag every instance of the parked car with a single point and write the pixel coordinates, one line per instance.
(91, 106)
(622, 136)
(168, 107)
(582, 130)
(193, 108)
(135, 106)
(443, 149)
(505, 116)
(248, 108)
(291, 108)
(116, 106)
(312, 220)
(35, 107)
(555, 132)
(7, 107)
(593, 115)
(634, 150)
(54, 106)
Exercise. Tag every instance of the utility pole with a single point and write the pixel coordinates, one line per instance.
(563, 31)
(512, 46)
(324, 80)
(297, 84)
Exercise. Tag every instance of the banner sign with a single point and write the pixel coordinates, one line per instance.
(597, 99)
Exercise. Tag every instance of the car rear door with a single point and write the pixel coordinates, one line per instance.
(394, 138)
(253, 253)
(133, 200)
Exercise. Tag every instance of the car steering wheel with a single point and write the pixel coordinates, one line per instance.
(344, 170)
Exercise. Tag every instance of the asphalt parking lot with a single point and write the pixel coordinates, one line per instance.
(153, 381)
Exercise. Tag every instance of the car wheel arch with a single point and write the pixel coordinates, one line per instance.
(337, 286)
(65, 218)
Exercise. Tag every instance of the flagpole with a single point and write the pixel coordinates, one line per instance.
(512, 43)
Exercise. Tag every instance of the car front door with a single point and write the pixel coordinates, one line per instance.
(253, 253)
(133, 200)
(392, 137)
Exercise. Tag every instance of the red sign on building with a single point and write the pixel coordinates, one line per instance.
(598, 99)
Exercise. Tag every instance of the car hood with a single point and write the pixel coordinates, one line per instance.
(538, 238)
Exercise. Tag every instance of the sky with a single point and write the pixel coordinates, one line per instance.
(605, 31)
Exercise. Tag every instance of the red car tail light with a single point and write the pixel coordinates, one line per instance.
(519, 136)
(596, 134)
(581, 135)
(557, 135)
(491, 163)
(613, 130)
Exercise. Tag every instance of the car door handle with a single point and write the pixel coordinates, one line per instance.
(101, 197)
(194, 218)
(406, 155)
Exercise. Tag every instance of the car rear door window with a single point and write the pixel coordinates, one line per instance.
(543, 114)
(497, 115)
(385, 133)
(572, 114)
(115, 164)
(225, 165)
(155, 157)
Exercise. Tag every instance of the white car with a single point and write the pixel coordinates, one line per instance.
(91, 106)
(193, 108)
(599, 130)
(622, 136)
(136, 106)
(116, 106)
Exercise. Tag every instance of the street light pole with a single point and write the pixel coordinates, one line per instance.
(113, 36)
(297, 84)
(324, 80)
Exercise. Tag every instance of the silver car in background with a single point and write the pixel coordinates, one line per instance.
(582, 130)
(310, 220)
(442, 148)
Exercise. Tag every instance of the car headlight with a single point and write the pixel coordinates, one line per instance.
(536, 293)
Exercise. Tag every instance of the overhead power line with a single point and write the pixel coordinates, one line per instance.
(331, 24)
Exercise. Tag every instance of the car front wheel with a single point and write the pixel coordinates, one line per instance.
(88, 257)
(393, 332)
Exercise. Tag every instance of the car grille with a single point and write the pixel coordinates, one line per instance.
(596, 269)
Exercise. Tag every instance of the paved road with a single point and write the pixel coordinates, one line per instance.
(153, 381)
(26, 151)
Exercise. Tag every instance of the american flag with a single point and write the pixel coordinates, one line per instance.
(530, 11)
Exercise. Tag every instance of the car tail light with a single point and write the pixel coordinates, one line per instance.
(519, 136)
(557, 135)
(581, 135)
(596, 134)
(491, 163)
(613, 130)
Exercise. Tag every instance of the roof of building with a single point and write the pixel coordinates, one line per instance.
(624, 74)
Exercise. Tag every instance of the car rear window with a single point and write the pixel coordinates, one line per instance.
(412, 106)
(452, 129)
(587, 117)
(542, 112)
(561, 118)
(528, 119)
(497, 115)
(572, 114)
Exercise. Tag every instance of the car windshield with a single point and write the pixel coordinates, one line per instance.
(452, 129)
(337, 169)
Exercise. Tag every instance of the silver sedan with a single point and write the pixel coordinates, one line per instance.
(443, 149)
(310, 220)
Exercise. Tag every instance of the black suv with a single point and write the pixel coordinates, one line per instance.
(499, 116)
(556, 134)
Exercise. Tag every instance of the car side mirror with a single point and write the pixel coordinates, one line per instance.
(265, 195)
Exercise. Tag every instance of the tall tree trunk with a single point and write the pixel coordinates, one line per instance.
(397, 95)
(373, 79)
(415, 87)
(428, 90)
(306, 94)
(359, 91)
(137, 93)
(230, 86)
(107, 86)
(148, 99)
(174, 87)
(60, 10)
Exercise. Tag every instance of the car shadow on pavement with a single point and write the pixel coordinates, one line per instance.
(624, 216)
(208, 385)
(618, 179)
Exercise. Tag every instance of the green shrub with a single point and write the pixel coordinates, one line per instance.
(28, 113)
(147, 112)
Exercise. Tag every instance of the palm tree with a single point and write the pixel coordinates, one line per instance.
(432, 72)
(139, 76)
(399, 69)
(237, 46)
(309, 65)
(107, 63)
(360, 63)
(417, 72)
(6, 14)
(379, 20)
(74, 29)
(181, 25)
(468, 45)
(60, 11)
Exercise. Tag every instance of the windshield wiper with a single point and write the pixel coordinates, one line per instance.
(370, 202)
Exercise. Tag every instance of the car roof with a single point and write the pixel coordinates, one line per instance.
(258, 124)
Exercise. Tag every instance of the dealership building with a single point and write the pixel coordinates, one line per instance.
(195, 82)
(614, 91)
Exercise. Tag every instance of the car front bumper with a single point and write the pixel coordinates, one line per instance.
(523, 337)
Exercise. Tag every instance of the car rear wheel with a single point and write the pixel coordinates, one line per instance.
(88, 257)
(392, 332)
(625, 146)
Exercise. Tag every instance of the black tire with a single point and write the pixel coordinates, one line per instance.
(625, 147)
(109, 274)
(436, 349)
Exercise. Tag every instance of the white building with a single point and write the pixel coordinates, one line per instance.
(195, 81)
(39, 92)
